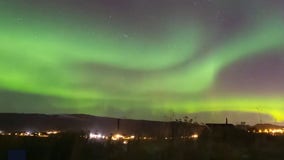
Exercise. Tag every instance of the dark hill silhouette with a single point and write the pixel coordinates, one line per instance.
(267, 126)
(78, 122)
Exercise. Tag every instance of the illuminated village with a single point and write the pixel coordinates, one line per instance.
(91, 136)
(119, 137)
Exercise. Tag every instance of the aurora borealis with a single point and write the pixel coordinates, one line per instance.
(142, 59)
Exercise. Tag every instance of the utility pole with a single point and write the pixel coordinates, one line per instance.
(118, 125)
(259, 115)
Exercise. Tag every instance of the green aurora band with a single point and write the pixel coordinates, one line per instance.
(46, 56)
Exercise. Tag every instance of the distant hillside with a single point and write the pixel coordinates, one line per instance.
(267, 126)
(76, 122)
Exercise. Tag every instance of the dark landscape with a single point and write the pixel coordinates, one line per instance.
(151, 140)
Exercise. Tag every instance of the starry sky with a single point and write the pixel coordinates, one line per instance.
(144, 59)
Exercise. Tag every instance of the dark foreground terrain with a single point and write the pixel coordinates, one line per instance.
(73, 146)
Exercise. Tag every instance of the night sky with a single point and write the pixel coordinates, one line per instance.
(144, 59)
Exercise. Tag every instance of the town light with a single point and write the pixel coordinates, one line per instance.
(117, 137)
(96, 136)
(194, 136)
